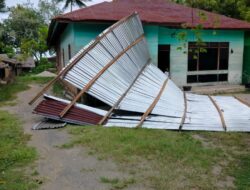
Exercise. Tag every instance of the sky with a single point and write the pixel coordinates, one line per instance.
(10, 3)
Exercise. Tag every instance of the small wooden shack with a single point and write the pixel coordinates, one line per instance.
(11, 67)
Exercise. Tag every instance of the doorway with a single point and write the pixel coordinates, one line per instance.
(164, 57)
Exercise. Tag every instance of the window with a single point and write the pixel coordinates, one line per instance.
(69, 51)
(63, 57)
(209, 66)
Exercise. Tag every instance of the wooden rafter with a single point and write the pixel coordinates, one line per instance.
(94, 79)
(123, 95)
(220, 113)
(69, 66)
(151, 107)
(242, 101)
(185, 111)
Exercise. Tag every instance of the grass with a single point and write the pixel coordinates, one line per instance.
(117, 183)
(171, 160)
(8, 92)
(58, 89)
(14, 155)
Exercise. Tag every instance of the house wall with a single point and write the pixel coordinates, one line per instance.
(178, 59)
(246, 65)
(84, 33)
(67, 38)
(80, 34)
(151, 34)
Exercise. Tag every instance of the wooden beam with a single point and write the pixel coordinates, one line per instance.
(220, 113)
(151, 107)
(95, 78)
(185, 111)
(124, 94)
(69, 66)
(242, 101)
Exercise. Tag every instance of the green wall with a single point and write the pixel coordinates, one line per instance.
(84, 33)
(178, 60)
(246, 65)
(80, 34)
(67, 38)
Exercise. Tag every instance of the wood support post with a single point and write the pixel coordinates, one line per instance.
(242, 101)
(124, 94)
(185, 111)
(151, 107)
(220, 113)
(70, 65)
(93, 80)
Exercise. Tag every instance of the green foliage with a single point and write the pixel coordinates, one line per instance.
(2, 5)
(43, 65)
(197, 33)
(8, 92)
(58, 89)
(48, 9)
(36, 46)
(109, 180)
(117, 183)
(14, 153)
(239, 9)
(23, 23)
(24, 29)
(79, 3)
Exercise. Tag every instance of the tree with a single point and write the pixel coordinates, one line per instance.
(48, 9)
(24, 30)
(23, 23)
(36, 47)
(2, 5)
(239, 9)
(79, 3)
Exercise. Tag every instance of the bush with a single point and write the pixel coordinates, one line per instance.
(43, 65)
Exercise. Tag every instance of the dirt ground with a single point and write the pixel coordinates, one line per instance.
(66, 169)
(63, 169)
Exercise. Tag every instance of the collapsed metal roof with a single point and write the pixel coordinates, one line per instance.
(116, 69)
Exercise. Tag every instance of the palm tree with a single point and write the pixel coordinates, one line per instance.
(79, 3)
(2, 5)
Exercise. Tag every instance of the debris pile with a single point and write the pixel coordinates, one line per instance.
(116, 69)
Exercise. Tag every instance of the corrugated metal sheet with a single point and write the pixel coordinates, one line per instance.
(51, 107)
(140, 95)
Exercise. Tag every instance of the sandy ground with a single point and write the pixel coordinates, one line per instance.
(63, 169)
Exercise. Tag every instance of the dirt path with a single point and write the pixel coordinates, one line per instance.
(62, 169)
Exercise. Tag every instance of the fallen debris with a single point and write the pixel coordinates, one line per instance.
(51, 107)
(116, 69)
(49, 124)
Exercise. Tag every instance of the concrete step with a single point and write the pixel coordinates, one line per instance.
(218, 89)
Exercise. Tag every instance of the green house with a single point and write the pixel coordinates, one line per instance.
(226, 59)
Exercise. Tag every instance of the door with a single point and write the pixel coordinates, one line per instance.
(164, 57)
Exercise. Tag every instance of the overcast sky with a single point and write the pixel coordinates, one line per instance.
(10, 3)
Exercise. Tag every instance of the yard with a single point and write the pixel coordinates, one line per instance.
(112, 158)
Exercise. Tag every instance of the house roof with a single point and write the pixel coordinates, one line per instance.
(160, 12)
(27, 63)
